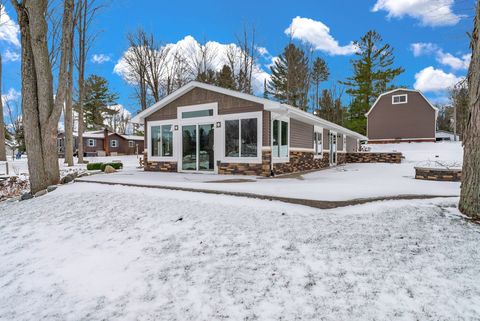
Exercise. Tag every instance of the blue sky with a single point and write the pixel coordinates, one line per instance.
(429, 36)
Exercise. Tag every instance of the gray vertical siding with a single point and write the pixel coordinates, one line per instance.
(339, 142)
(301, 134)
(326, 132)
(266, 128)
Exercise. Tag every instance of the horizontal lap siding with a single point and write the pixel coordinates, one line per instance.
(266, 128)
(301, 134)
(351, 144)
(226, 104)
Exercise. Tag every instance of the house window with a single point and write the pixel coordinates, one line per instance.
(131, 143)
(91, 142)
(399, 99)
(197, 113)
(241, 138)
(318, 142)
(114, 143)
(162, 140)
(280, 139)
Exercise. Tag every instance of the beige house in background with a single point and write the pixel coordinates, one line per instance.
(401, 115)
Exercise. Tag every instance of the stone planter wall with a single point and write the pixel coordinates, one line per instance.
(371, 157)
(438, 174)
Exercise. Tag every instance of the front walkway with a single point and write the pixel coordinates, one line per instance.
(341, 186)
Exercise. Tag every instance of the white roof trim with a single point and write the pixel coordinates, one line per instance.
(268, 105)
(403, 89)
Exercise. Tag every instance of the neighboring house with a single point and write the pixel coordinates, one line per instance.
(443, 135)
(204, 128)
(104, 143)
(401, 115)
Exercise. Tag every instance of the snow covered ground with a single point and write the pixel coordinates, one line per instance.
(346, 182)
(97, 252)
(20, 166)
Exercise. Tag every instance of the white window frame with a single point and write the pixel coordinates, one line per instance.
(111, 143)
(318, 130)
(250, 160)
(286, 119)
(89, 140)
(195, 120)
(151, 124)
(131, 143)
(344, 142)
(402, 102)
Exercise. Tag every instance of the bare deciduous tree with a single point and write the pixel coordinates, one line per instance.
(87, 10)
(3, 152)
(41, 110)
(470, 188)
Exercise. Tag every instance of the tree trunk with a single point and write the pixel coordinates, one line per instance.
(3, 151)
(82, 30)
(470, 188)
(40, 110)
(68, 112)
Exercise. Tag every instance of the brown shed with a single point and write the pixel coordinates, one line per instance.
(401, 115)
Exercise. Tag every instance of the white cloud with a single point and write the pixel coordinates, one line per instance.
(434, 80)
(318, 35)
(423, 48)
(444, 58)
(429, 12)
(450, 60)
(263, 51)
(12, 94)
(189, 48)
(100, 58)
(9, 30)
(9, 55)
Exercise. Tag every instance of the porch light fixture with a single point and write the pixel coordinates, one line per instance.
(175, 127)
(218, 124)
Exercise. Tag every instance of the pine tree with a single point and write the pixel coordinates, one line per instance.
(98, 98)
(372, 75)
(207, 77)
(225, 78)
(289, 80)
(330, 106)
(319, 73)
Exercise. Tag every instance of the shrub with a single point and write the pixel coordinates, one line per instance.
(94, 166)
(114, 165)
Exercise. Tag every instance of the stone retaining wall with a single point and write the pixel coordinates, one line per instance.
(438, 174)
(300, 162)
(371, 157)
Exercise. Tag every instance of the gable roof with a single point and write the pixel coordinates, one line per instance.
(268, 105)
(401, 89)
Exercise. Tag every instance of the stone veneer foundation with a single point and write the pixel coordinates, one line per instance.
(300, 161)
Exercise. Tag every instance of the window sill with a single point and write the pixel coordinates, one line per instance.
(161, 159)
(248, 160)
(318, 156)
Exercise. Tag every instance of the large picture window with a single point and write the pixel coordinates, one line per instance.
(241, 138)
(280, 139)
(162, 140)
(318, 143)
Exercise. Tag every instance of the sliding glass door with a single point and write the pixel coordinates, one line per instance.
(197, 149)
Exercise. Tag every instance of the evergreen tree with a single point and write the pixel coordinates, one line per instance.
(319, 73)
(207, 77)
(98, 98)
(330, 106)
(290, 77)
(225, 78)
(372, 75)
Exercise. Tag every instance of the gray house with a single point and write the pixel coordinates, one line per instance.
(401, 115)
(205, 128)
